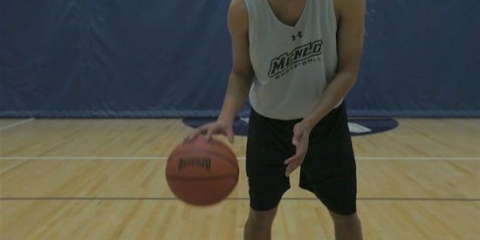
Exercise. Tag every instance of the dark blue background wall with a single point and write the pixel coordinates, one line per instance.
(119, 58)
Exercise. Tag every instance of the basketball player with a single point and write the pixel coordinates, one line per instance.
(296, 60)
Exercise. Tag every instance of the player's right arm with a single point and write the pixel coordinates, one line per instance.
(240, 79)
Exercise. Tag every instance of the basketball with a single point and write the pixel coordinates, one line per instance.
(202, 172)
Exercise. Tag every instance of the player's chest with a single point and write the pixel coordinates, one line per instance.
(288, 13)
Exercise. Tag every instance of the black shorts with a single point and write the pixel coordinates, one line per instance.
(328, 171)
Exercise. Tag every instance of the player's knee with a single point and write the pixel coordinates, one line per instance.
(262, 218)
(344, 219)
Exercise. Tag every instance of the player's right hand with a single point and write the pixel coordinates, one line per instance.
(210, 129)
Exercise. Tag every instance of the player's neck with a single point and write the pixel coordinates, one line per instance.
(283, 1)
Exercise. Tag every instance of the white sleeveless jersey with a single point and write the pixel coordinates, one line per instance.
(292, 64)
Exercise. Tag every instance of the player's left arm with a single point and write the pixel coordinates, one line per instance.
(350, 37)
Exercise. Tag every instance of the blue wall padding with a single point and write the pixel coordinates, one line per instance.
(119, 58)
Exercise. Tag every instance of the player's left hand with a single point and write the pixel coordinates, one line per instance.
(300, 140)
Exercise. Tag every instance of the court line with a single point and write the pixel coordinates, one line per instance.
(17, 123)
(228, 199)
(130, 158)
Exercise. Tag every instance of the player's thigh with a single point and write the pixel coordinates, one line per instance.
(268, 146)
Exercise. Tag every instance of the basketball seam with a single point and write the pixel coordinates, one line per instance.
(189, 179)
(213, 200)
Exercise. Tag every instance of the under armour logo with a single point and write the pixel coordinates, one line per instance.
(299, 35)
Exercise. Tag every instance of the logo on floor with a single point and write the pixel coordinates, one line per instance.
(357, 126)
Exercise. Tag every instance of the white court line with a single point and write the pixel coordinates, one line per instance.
(17, 123)
(239, 158)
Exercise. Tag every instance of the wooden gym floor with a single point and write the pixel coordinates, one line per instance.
(104, 179)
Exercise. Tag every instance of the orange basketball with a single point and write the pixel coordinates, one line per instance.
(202, 172)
